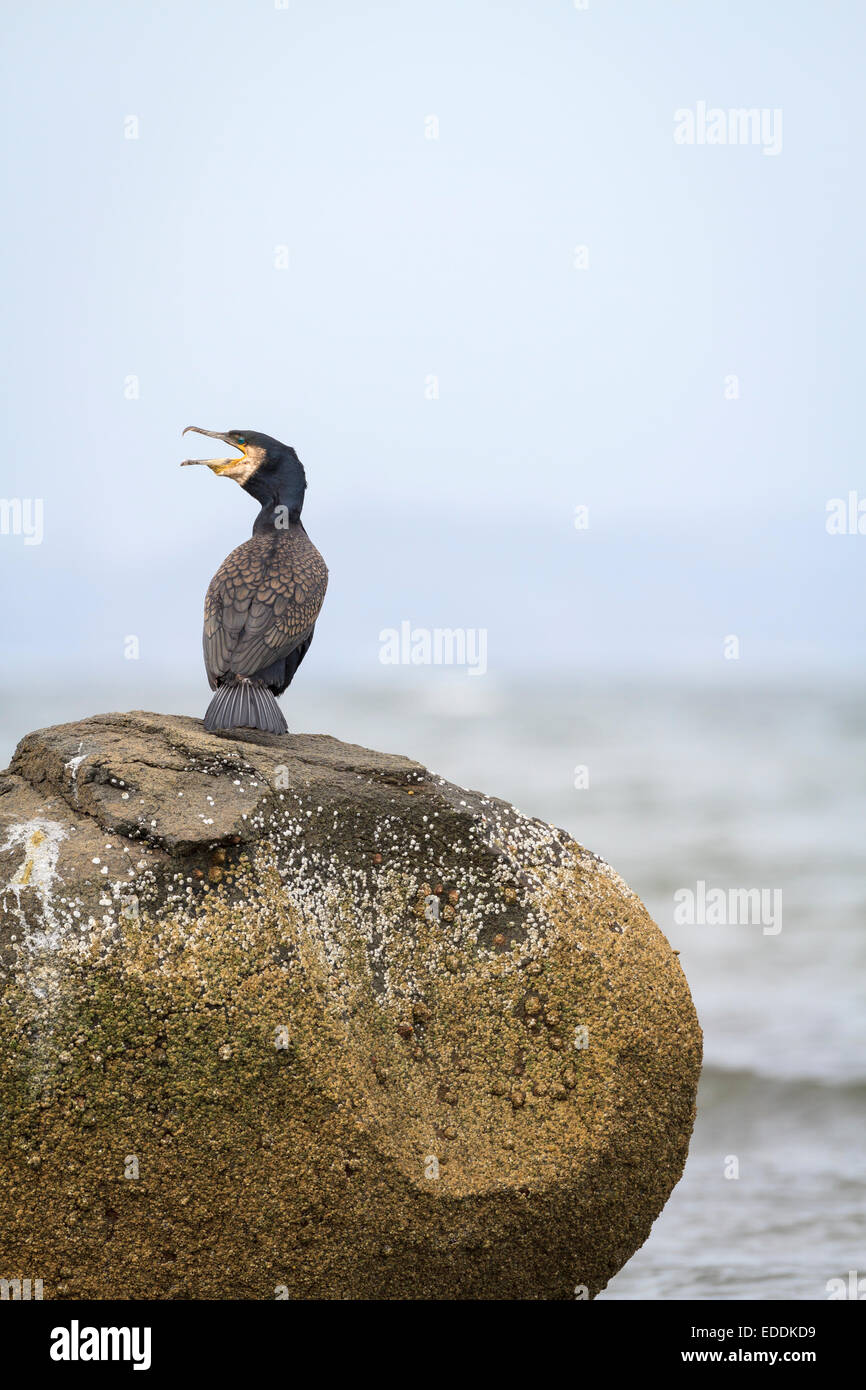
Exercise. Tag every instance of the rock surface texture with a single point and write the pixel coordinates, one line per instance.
(284, 1017)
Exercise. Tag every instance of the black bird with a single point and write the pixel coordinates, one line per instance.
(262, 604)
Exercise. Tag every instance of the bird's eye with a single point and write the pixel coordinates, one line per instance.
(241, 439)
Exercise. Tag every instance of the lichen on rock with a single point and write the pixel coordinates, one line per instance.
(285, 1017)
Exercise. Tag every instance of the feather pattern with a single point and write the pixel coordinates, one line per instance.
(261, 608)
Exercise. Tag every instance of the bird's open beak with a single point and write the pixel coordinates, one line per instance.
(217, 465)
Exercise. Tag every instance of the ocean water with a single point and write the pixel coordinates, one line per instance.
(737, 788)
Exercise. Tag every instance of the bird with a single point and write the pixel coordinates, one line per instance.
(261, 606)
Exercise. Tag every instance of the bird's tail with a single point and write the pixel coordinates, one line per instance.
(245, 704)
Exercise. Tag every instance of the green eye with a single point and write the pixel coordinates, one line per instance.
(241, 439)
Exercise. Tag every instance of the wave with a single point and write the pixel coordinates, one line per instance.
(720, 1083)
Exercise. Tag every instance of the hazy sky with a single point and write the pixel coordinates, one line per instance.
(299, 137)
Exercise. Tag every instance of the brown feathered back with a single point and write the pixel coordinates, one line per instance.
(262, 603)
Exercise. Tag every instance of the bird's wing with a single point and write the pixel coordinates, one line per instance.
(261, 603)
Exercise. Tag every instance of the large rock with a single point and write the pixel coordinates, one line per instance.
(286, 1017)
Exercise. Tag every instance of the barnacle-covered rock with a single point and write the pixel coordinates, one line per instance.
(284, 1017)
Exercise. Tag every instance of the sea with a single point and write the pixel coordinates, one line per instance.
(686, 789)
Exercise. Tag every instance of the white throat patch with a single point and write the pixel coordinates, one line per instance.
(244, 468)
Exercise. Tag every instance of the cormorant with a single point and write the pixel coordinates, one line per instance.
(262, 604)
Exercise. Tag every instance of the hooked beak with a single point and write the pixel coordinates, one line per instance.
(217, 465)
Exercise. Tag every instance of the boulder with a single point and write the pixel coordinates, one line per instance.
(286, 1018)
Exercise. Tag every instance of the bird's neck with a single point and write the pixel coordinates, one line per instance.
(276, 517)
(281, 496)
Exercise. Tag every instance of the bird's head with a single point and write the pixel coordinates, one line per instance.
(264, 467)
(255, 450)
